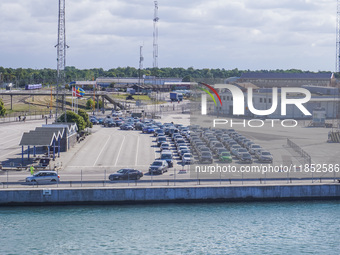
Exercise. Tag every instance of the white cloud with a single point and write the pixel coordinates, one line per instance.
(262, 34)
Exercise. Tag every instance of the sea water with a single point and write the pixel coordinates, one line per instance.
(208, 228)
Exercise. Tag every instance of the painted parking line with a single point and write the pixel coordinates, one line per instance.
(101, 151)
(120, 149)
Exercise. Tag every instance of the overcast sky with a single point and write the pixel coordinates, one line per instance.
(243, 34)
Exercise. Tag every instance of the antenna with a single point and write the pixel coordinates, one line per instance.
(155, 36)
(337, 60)
(141, 59)
(61, 52)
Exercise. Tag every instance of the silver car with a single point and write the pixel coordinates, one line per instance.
(44, 177)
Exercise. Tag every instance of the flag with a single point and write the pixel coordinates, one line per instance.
(77, 92)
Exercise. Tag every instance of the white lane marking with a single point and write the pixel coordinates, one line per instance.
(101, 151)
(137, 150)
(17, 138)
(120, 149)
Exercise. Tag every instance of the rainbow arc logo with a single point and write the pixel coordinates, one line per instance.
(208, 92)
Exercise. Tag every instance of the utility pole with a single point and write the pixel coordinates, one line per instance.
(61, 54)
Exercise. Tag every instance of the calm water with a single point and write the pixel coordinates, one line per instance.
(229, 228)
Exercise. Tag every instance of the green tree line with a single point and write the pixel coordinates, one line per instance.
(22, 76)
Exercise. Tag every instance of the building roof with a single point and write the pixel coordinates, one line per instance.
(44, 136)
(246, 85)
(38, 138)
(287, 76)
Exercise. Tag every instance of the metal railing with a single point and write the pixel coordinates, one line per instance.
(305, 156)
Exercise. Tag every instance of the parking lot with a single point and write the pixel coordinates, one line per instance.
(109, 149)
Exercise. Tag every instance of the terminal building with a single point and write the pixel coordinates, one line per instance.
(262, 100)
(273, 79)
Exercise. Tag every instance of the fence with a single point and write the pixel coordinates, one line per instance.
(24, 116)
(78, 179)
(305, 156)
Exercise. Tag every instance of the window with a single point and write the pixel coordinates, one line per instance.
(228, 98)
(269, 100)
(260, 99)
(265, 100)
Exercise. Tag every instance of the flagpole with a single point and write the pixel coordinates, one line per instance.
(72, 99)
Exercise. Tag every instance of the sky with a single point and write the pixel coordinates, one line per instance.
(243, 34)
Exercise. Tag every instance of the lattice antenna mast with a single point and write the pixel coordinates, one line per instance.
(337, 65)
(61, 52)
(141, 59)
(155, 36)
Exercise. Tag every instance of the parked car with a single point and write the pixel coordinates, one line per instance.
(187, 159)
(245, 158)
(234, 149)
(206, 157)
(165, 146)
(266, 157)
(168, 157)
(94, 121)
(253, 148)
(126, 127)
(160, 140)
(226, 157)
(158, 167)
(44, 177)
(240, 151)
(126, 174)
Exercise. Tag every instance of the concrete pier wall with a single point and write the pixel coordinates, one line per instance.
(47, 196)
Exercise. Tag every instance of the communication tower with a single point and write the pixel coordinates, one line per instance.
(337, 61)
(61, 53)
(141, 59)
(155, 36)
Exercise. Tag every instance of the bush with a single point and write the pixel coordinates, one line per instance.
(73, 117)
(2, 108)
(86, 118)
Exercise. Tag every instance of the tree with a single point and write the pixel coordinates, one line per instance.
(187, 78)
(100, 104)
(2, 108)
(86, 118)
(89, 103)
(73, 117)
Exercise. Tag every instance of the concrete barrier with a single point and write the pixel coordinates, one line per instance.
(169, 194)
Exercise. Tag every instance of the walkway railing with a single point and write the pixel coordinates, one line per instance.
(305, 156)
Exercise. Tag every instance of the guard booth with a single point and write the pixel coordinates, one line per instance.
(319, 117)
